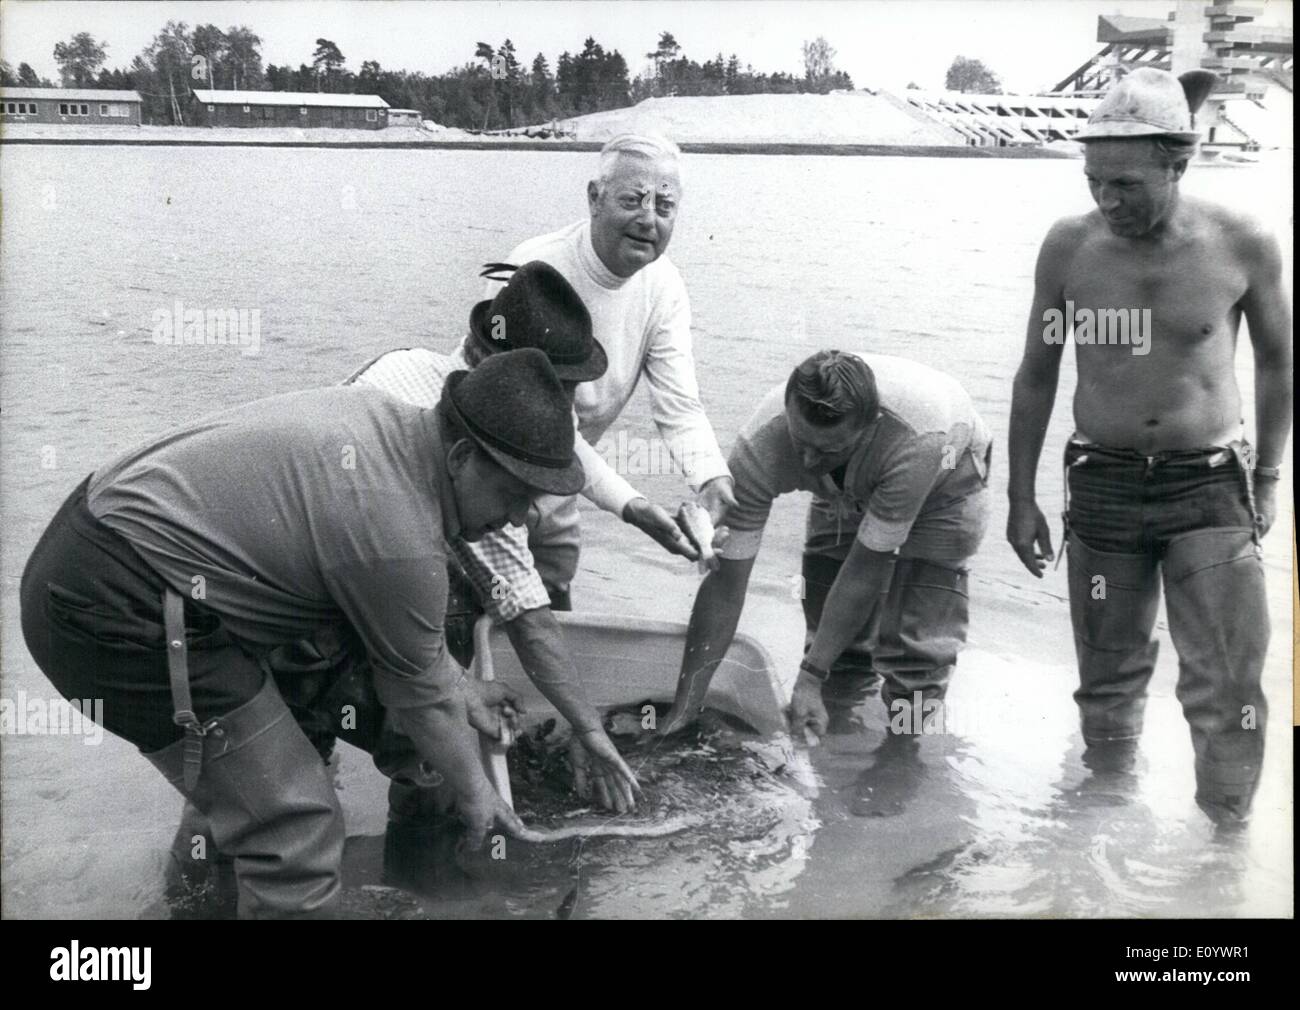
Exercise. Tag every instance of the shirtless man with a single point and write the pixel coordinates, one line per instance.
(1160, 479)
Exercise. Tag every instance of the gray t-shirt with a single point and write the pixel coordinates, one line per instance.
(299, 510)
(910, 462)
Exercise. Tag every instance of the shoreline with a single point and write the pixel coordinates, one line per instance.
(575, 146)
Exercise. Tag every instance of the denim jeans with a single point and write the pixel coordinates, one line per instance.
(1185, 519)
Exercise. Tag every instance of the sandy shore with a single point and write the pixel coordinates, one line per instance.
(412, 138)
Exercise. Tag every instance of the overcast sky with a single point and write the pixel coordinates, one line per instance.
(881, 43)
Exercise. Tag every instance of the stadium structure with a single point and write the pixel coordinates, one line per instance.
(1251, 108)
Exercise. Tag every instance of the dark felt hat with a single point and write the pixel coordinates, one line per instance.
(515, 409)
(539, 308)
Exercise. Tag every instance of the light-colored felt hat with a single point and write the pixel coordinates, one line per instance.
(1150, 103)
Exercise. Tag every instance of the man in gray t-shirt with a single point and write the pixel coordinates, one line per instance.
(897, 459)
(169, 574)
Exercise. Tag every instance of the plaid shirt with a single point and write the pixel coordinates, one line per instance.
(500, 565)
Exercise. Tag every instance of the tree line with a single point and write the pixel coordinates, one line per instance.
(494, 90)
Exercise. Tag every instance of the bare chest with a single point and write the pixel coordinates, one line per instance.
(1183, 301)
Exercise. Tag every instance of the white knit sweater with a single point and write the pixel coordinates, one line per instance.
(644, 324)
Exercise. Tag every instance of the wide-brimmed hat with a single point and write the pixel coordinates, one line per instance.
(1150, 103)
(539, 308)
(514, 408)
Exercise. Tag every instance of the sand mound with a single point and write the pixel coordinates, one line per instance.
(855, 117)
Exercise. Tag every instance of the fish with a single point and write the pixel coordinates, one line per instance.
(607, 829)
(565, 910)
(714, 776)
(696, 523)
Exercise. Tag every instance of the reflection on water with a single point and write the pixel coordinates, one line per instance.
(347, 254)
(747, 801)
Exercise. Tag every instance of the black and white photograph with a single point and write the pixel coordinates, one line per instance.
(732, 460)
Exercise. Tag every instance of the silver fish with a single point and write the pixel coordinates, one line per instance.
(695, 522)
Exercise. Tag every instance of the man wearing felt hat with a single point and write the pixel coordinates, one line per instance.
(169, 574)
(496, 574)
(325, 679)
(1161, 484)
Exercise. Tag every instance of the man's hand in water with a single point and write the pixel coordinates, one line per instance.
(1029, 536)
(482, 809)
(488, 704)
(1266, 503)
(598, 768)
(659, 526)
(807, 712)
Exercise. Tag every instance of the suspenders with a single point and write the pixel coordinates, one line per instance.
(179, 674)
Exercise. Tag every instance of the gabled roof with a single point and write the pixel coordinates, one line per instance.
(71, 94)
(316, 99)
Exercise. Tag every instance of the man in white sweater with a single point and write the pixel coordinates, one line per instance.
(641, 316)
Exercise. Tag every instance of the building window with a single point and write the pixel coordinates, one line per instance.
(9, 108)
(302, 110)
(103, 110)
(372, 116)
(63, 108)
(245, 110)
(85, 110)
(268, 113)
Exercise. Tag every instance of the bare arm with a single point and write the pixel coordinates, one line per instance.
(1033, 395)
(444, 737)
(1268, 314)
(539, 643)
(862, 580)
(714, 617)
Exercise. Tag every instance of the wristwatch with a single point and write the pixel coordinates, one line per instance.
(816, 672)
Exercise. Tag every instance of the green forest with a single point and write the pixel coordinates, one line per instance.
(496, 89)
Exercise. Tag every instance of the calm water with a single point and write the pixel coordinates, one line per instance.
(346, 254)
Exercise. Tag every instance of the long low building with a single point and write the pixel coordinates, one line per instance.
(308, 109)
(72, 106)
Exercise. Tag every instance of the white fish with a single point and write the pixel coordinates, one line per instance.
(695, 522)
